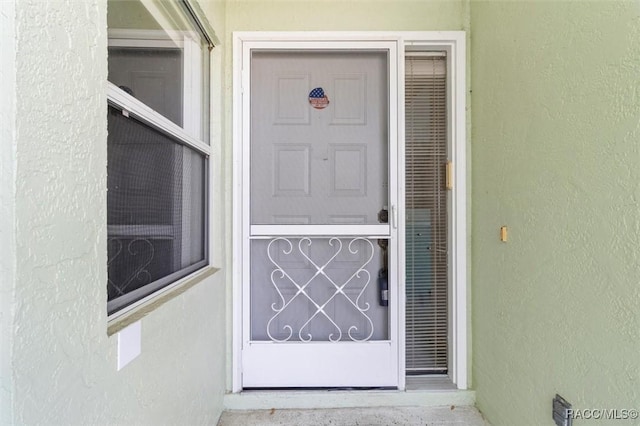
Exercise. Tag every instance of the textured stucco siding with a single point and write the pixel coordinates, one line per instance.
(345, 15)
(63, 362)
(556, 126)
(7, 203)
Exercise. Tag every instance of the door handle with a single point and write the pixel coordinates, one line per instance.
(394, 221)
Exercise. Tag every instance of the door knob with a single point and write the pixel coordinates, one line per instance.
(383, 215)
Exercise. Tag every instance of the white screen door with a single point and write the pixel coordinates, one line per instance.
(320, 300)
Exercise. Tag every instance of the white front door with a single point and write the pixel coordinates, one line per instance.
(320, 277)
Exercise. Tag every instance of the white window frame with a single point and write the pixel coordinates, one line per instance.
(192, 69)
(191, 134)
(453, 42)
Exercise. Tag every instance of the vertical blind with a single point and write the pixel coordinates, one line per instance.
(426, 213)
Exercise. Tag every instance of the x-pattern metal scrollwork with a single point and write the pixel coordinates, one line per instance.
(140, 274)
(302, 289)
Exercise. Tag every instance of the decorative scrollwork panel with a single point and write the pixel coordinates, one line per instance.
(135, 262)
(316, 289)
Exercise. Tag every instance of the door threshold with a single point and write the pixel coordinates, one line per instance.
(329, 389)
(429, 382)
(335, 398)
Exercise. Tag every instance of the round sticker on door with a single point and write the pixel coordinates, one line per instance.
(318, 99)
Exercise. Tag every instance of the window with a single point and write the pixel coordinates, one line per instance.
(157, 170)
(426, 229)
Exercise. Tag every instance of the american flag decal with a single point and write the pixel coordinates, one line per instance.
(318, 99)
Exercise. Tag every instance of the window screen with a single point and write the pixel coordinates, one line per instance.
(426, 214)
(157, 151)
(156, 210)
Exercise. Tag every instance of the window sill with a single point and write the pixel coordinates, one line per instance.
(120, 320)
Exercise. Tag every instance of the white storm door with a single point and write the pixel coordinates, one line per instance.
(320, 167)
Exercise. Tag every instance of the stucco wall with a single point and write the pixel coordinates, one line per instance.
(63, 363)
(7, 203)
(556, 125)
(344, 15)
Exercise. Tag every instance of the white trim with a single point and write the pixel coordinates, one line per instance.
(192, 88)
(402, 332)
(141, 34)
(396, 320)
(144, 43)
(375, 231)
(246, 250)
(454, 43)
(460, 372)
(408, 37)
(237, 220)
(131, 37)
(373, 44)
(121, 99)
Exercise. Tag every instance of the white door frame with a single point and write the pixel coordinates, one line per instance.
(453, 42)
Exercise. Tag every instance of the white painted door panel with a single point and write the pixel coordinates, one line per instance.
(318, 166)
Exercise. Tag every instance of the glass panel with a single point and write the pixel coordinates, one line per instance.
(153, 76)
(318, 289)
(157, 55)
(319, 137)
(155, 205)
(426, 215)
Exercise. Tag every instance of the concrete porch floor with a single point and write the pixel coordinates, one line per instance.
(380, 416)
